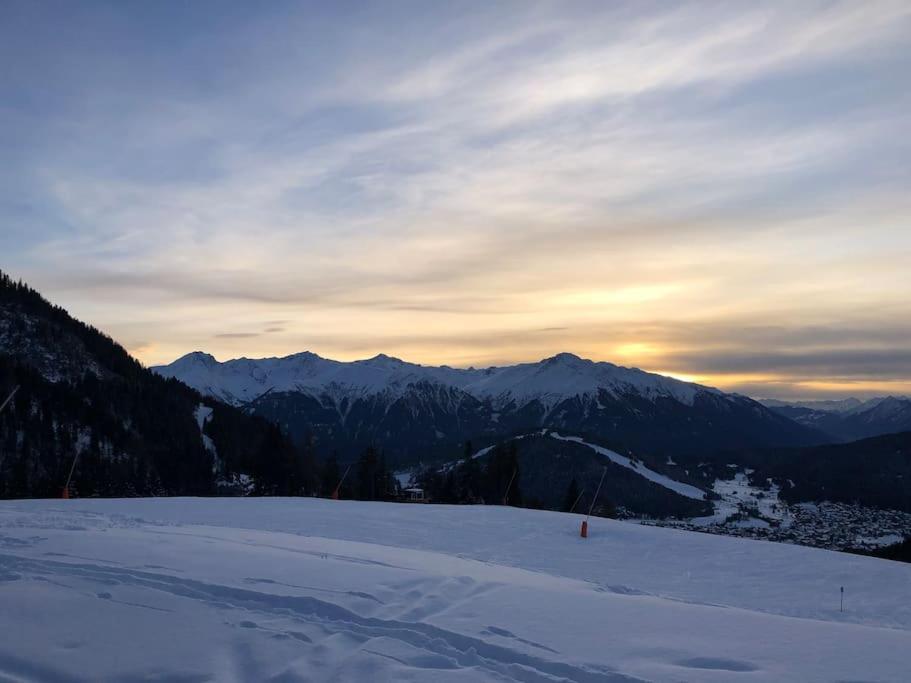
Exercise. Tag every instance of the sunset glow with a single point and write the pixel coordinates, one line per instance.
(718, 193)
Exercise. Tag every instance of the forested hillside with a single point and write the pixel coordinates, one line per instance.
(873, 472)
(82, 397)
(538, 470)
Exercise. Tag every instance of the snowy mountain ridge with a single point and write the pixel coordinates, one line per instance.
(847, 406)
(850, 419)
(548, 381)
(824, 405)
(416, 412)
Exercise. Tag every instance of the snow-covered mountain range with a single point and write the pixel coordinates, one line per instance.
(549, 381)
(416, 411)
(850, 419)
(842, 405)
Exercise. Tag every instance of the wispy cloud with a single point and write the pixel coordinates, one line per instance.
(446, 183)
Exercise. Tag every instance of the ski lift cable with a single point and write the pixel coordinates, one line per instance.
(592, 506)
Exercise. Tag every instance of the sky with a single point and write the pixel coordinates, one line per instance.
(715, 191)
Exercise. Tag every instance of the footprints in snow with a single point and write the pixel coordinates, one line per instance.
(717, 664)
(354, 594)
(503, 633)
(428, 646)
(277, 634)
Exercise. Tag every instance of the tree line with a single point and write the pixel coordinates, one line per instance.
(498, 481)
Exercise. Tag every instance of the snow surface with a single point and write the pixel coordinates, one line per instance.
(640, 469)
(404, 478)
(737, 496)
(202, 414)
(548, 381)
(314, 590)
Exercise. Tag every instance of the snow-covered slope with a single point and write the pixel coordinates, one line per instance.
(316, 590)
(564, 375)
(548, 381)
(640, 469)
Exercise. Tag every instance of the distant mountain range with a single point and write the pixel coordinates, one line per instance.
(256, 425)
(825, 405)
(850, 419)
(417, 412)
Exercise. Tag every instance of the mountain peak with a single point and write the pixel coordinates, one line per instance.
(564, 358)
(200, 357)
(303, 357)
(383, 359)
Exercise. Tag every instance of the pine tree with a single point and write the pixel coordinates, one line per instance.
(470, 476)
(502, 485)
(330, 476)
(572, 494)
(514, 490)
(382, 486)
(366, 474)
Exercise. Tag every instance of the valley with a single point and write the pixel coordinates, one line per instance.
(671, 453)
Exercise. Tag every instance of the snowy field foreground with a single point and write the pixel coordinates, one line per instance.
(311, 590)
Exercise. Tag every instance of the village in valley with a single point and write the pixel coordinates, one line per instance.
(746, 510)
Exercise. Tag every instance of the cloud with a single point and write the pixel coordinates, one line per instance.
(670, 185)
(840, 364)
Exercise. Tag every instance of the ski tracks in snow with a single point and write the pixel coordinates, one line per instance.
(309, 620)
(236, 590)
(331, 628)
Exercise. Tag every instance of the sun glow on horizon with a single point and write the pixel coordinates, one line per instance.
(474, 187)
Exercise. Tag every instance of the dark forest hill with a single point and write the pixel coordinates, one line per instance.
(874, 472)
(541, 471)
(135, 433)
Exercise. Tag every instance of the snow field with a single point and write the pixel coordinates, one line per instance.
(313, 590)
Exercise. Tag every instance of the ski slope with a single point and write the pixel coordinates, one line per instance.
(640, 469)
(316, 590)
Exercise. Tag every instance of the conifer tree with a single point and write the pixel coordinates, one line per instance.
(367, 466)
(572, 493)
(331, 475)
